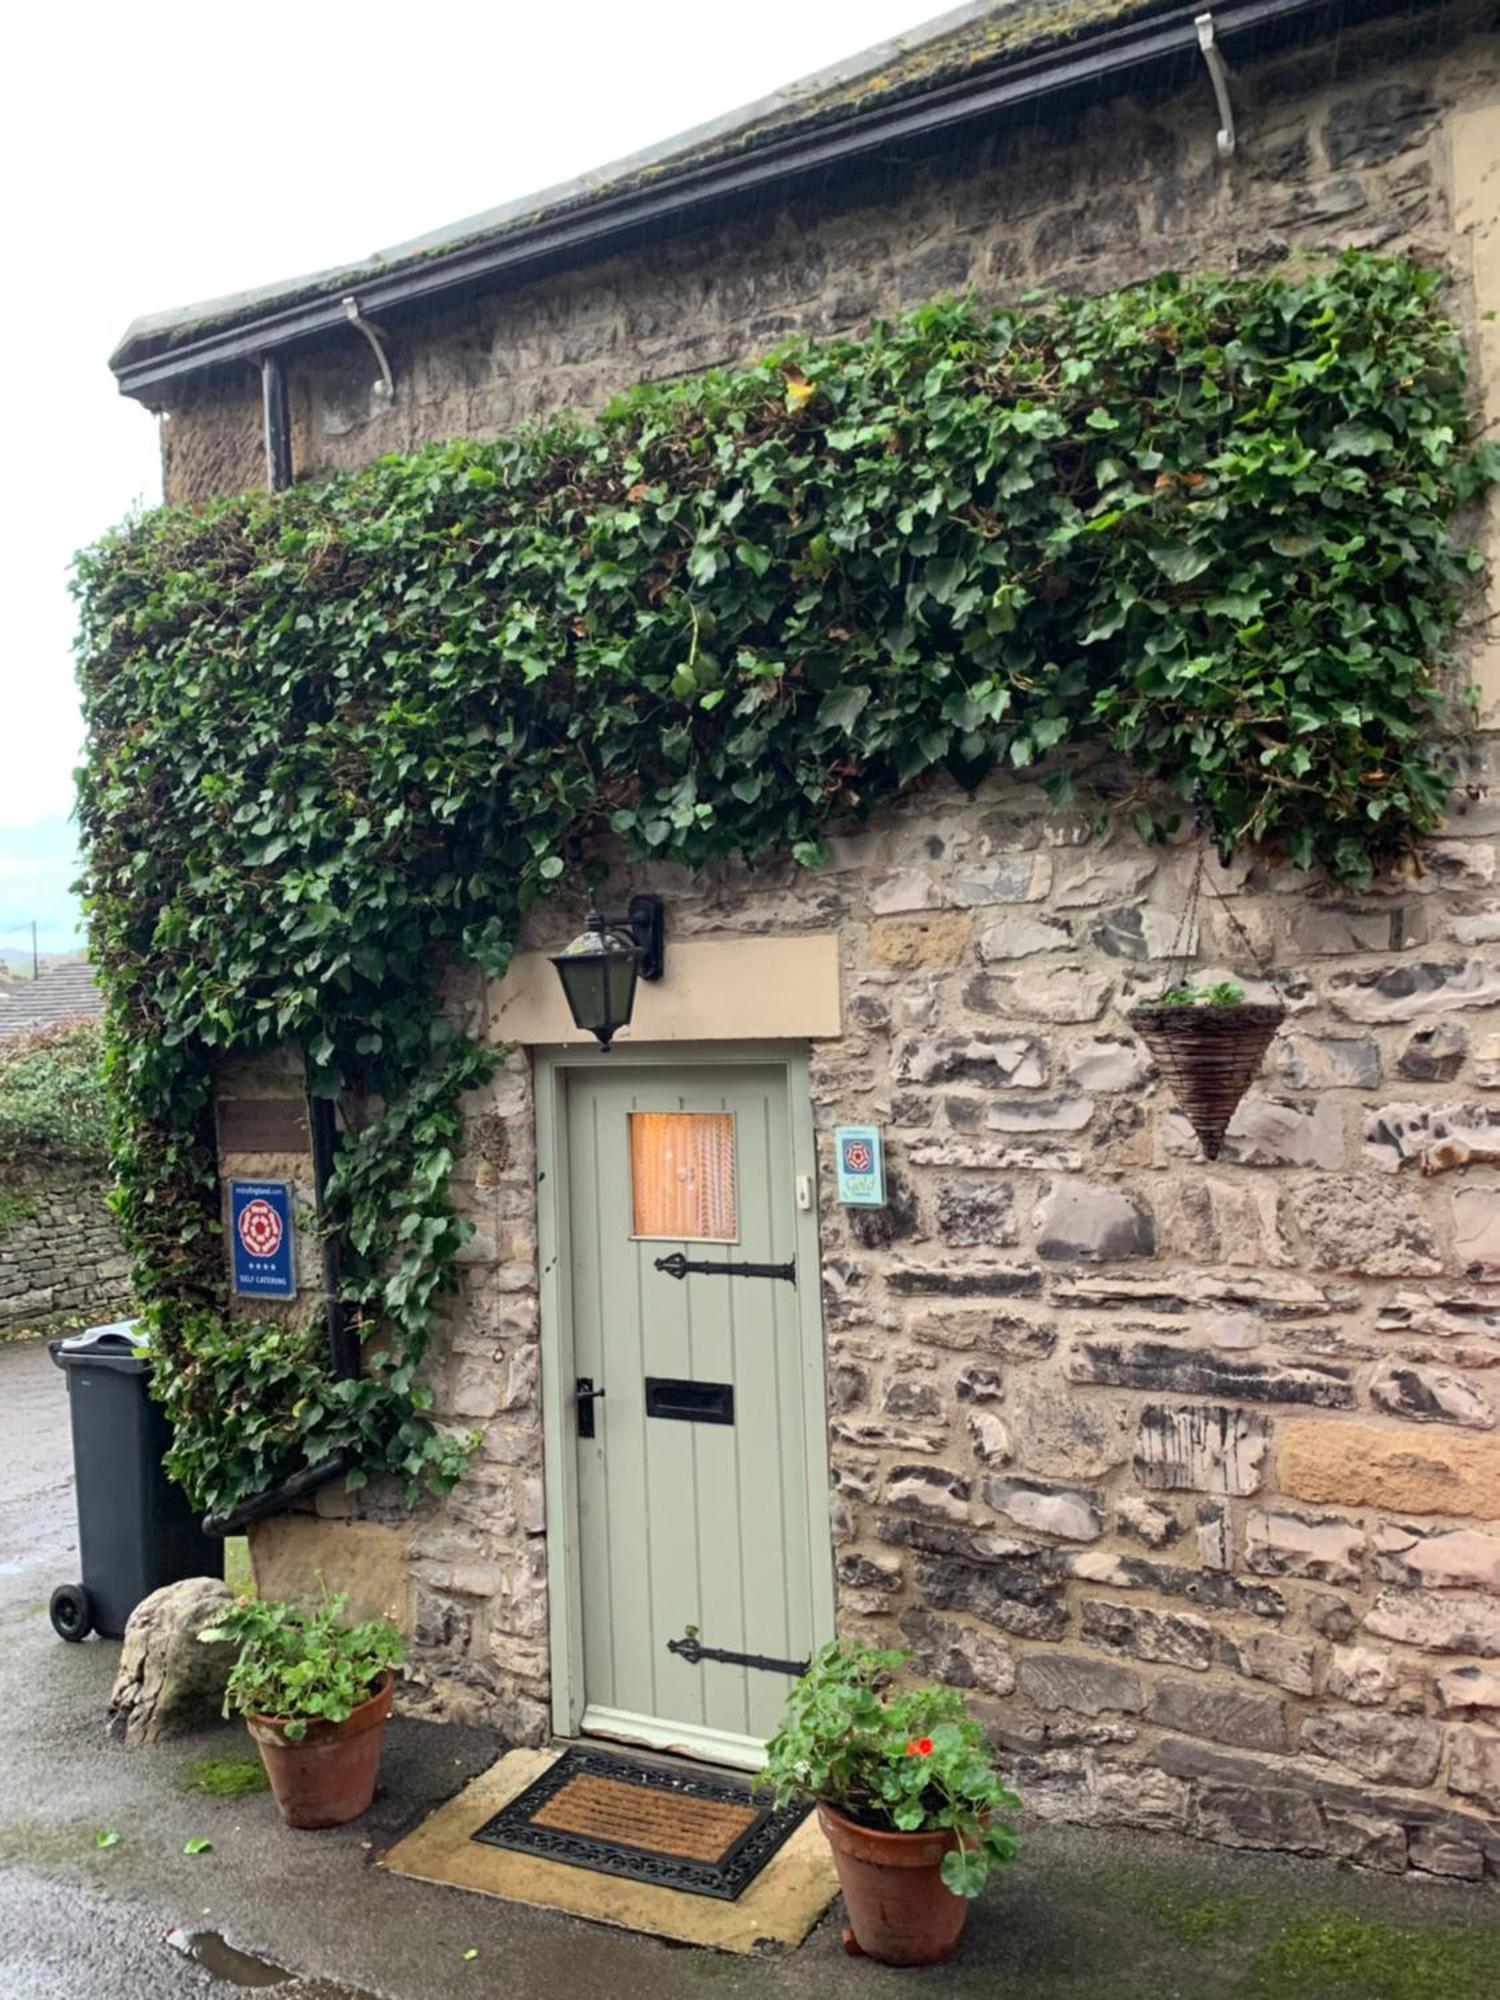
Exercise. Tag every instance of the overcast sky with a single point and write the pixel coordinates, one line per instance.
(164, 153)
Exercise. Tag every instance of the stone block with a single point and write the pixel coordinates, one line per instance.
(1172, 1638)
(1084, 1686)
(1364, 1840)
(1437, 1621)
(1431, 1396)
(1328, 1062)
(1067, 1512)
(1147, 1521)
(1414, 992)
(1001, 878)
(1134, 1796)
(1066, 1436)
(1140, 933)
(1361, 1676)
(1476, 1231)
(913, 944)
(1258, 1816)
(1435, 1137)
(1210, 1592)
(1201, 1448)
(1088, 879)
(911, 1397)
(856, 1571)
(1108, 1063)
(1374, 125)
(1056, 993)
(972, 1212)
(1019, 1061)
(1351, 1224)
(1272, 1132)
(1039, 1114)
(1433, 1054)
(1010, 1597)
(1272, 1656)
(928, 1489)
(1220, 1714)
(1437, 1853)
(1166, 1368)
(990, 1437)
(959, 1655)
(1092, 1222)
(1326, 1548)
(167, 1683)
(1387, 1749)
(970, 1279)
(1372, 1465)
(1021, 937)
(1470, 1690)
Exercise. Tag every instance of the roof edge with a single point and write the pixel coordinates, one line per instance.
(586, 220)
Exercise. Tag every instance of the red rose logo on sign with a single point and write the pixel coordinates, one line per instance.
(858, 1158)
(260, 1228)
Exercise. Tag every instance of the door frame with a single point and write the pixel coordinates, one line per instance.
(550, 1069)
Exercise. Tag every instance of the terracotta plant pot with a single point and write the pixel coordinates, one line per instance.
(900, 1913)
(329, 1777)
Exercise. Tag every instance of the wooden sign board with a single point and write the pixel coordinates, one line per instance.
(263, 1125)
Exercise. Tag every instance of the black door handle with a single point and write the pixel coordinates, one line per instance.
(585, 1395)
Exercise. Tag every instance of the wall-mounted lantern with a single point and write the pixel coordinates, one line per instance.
(600, 967)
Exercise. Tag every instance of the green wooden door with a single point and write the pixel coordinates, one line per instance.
(688, 1522)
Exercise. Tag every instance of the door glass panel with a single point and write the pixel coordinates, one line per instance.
(682, 1175)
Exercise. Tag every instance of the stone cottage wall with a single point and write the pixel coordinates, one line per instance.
(61, 1265)
(1190, 1474)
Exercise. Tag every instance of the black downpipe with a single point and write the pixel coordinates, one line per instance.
(343, 1342)
(278, 423)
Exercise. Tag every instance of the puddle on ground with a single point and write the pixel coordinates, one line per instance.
(208, 1949)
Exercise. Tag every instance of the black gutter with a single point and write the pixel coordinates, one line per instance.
(676, 194)
(297, 1487)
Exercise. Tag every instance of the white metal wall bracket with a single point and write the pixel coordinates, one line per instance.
(1219, 77)
(385, 387)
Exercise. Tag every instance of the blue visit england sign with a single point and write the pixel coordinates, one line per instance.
(260, 1236)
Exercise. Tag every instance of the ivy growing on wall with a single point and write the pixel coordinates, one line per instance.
(341, 734)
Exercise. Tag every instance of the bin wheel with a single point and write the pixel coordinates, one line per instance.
(71, 1613)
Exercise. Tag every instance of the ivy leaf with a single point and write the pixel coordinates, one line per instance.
(197, 1845)
(1179, 560)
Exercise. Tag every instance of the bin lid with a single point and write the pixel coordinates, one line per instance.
(115, 1345)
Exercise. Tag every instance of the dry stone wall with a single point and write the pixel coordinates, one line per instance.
(61, 1265)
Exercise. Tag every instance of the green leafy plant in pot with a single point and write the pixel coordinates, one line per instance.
(907, 1793)
(316, 1694)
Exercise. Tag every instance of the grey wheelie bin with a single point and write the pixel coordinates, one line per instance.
(136, 1530)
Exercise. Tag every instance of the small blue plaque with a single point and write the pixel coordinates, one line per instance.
(261, 1239)
(859, 1159)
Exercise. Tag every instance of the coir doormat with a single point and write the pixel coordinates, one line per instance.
(647, 1822)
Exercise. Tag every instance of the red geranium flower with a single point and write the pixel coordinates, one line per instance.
(919, 1746)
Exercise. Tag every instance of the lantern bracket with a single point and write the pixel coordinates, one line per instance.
(643, 927)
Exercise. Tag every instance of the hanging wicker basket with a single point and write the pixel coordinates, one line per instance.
(1209, 1057)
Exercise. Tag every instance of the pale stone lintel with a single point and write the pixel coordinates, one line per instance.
(299, 1555)
(1476, 215)
(714, 990)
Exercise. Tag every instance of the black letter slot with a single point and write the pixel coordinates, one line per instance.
(690, 1402)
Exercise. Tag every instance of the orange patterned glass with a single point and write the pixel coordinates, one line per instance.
(682, 1174)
